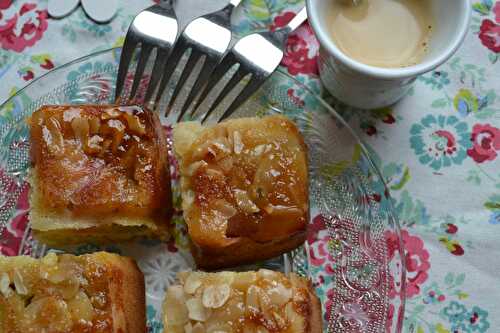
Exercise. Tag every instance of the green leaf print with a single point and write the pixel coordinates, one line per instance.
(493, 57)
(449, 278)
(440, 103)
(259, 9)
(402, 182)
(492, 205)
(460, 279)
(481, 8)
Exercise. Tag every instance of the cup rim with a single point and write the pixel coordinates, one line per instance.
(388, 73)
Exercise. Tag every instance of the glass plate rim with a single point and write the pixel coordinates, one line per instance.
(391, 211)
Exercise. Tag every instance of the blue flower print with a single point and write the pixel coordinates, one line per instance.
(455, 312)
(465, 321)
(153, 324)
(90, 67)
(437, 80)
(440, 141)
(495, 217)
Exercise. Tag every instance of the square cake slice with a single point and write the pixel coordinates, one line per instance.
(100, 174)
(262, 301)
(244, 185)
(98, 292)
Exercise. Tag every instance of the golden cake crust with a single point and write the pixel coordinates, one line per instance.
(262, 301)
(100, 173)
(100, 292)
(244, 187)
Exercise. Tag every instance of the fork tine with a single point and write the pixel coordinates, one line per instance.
(252, 86)
(141, 66)
(125, 58)
(219, 72)
(172, 62)
(194, 57)
(201, 80)
(156, 74)
(237, 77)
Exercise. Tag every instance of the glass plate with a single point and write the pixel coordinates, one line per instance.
(353, 253)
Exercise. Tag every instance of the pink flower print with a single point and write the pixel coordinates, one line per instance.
(19, 221)
(319, 244)
(319, 254)
(282, 20)
(22, 28)
(416, 260)
(496, 10)
(301, 52)
(486, 142)
(329, 304)
(489, 34)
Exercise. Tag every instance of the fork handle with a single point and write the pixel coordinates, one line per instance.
(282, 34)
(297, 20)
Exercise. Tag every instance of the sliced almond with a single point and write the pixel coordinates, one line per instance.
(5, 285)
(196, 310)
(296, 321)
(50, 259)
(21, 288)
(259, 150)
(36, 318)
(182, 276)
(188, 328)
(195, 166)
(244, 202)
(215, 296)
(198, 328)
(253, 299)
(244, 280)
(279, 294)
(226, 164)
(94, 144)
(175, 309)
(134, 123)
(268, 274)
(192, 283)
(111, 113)
(80, 307)
(280, 321)
(224, 208)
(70, 287)
(237, 143)
(80, 126)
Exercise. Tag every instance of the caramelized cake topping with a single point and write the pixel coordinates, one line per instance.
(246, 181)
(55, 294)
(263, 301)
(98, 160)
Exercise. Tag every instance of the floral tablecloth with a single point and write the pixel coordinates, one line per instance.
(438, 148)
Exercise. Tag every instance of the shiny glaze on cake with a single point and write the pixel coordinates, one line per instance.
(100, 160)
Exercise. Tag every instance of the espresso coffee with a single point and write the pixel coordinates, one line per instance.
(382, 33)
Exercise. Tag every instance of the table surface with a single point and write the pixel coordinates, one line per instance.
(438, 148)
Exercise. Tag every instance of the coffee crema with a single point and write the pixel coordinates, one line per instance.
(383, 33)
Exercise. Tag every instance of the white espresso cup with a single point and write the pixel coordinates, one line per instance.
(369, 87)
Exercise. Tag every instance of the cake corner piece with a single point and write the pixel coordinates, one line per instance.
(244, 185)
(100, 174)
(67, 293)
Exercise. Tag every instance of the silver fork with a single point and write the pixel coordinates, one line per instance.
(257, 55)
(208, 36)
(145, 31)
(157, 27)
